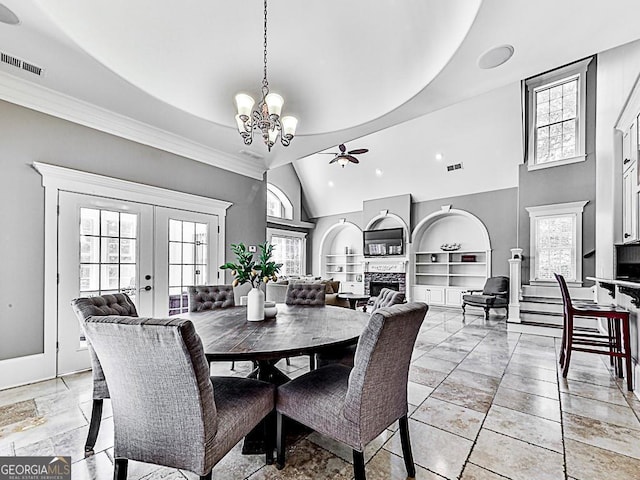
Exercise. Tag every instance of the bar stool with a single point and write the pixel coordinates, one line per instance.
(616, 343)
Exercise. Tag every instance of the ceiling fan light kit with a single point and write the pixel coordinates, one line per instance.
(266, 118)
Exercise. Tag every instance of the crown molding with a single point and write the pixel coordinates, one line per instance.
(42, 99)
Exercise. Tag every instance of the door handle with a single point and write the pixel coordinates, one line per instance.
(627, 235)
(146, 289)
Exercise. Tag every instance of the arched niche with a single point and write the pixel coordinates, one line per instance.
(386, 220)
(450, 225)
(341, 243)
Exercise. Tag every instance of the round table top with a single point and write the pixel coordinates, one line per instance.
(296, 330)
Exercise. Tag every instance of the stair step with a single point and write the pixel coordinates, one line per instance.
(535, 299)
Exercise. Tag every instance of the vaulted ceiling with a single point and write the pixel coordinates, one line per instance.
(165, 72)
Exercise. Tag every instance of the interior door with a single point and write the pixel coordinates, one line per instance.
(105, 246)
(186, 253)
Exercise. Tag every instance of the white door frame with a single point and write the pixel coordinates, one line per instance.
(32, 368)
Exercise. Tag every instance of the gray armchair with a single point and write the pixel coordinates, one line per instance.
(208, 297)
(344, 355)
(117, 304)
(495, 294)
(164, 409)
(354, 405)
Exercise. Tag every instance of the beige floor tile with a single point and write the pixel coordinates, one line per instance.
(416, 393)
(305, 460)
(452, 418)
(532, 371)
(474, 472)
(95, 467)
(527, 359)
(462, 395)
(436, 364)
(30, 391)
(475, 380)
(586, 462)
(516, 459)
(530, 385)
(625, 441)
(436, 450)
(595, 392)
(528, 403)
(484, 368)
(528, 428)
(17, 412)
(61, 401)
(449, 353)
(603, 411)
(590, 376)
(388, 466)
(344, 451)
(426, 376)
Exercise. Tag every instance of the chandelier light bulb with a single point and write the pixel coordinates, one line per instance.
(289, 125)
(274, 103)
(244, 104)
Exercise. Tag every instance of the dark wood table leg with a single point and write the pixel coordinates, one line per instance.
(254, 442)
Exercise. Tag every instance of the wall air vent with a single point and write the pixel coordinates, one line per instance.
(454, 166)
(21, 64)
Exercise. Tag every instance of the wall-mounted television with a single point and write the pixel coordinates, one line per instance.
(385, 242)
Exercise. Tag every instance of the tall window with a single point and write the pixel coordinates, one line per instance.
(556, 116)
(289, 249)
(556, 242)
(278, 205)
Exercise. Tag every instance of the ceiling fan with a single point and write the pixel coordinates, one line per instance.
(343, 157)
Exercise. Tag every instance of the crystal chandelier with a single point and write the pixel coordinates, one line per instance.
(266, 118)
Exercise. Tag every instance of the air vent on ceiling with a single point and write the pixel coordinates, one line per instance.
(454, 166)
(21, 64)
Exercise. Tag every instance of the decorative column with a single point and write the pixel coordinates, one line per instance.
(515, 284)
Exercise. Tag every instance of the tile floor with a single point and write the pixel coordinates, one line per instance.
(485, 404)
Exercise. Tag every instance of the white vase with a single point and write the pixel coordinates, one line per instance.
(255, 305)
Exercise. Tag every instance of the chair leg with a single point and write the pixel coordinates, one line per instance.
(627, 352)
(120, 469)
(280, 441)
(618, 341)
(564, 339)
(358, 466)
(463, 311)
(506, 310)
(269, 437)
(288, 362)
(568, 346)
(486, 313)
(233, 365)
(312, 362)
(406, 446)
(94, 427)
(208, 476)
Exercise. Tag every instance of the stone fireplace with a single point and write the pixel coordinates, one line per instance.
(378, 276)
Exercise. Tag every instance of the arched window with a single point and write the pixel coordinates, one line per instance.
(278, 205)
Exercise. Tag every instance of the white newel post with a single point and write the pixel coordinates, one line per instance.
(515, 284)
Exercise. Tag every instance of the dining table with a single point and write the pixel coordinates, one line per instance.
(296, 330)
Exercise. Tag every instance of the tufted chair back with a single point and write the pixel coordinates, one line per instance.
(116, 304)
(209, 297)
(386, 298)
(302, 293)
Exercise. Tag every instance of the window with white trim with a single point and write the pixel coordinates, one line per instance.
(289, 249)
(278, 204)
(556, 110)
(556, 242)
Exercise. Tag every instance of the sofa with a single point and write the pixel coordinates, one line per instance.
(277, 292)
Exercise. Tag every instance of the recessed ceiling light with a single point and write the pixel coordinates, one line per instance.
(494, 57)
(439, 156)
(330, 183)
(7, 16)
(378, 172)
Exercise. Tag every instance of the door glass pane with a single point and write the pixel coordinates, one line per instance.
(108, 262)
(187, 261)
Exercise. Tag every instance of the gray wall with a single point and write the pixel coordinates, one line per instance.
(28, 136)
(399, 205)
(562, 184)
(496, 209)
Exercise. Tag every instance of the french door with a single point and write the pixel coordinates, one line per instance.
(151, 253)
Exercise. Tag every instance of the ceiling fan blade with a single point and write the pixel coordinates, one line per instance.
(334, 160)
(352, 159)
(342, 148)
(358, 151)
(328, 153)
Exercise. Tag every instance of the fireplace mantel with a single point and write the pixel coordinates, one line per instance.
(386, 264)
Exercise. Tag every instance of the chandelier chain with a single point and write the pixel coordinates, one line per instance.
(265, 83)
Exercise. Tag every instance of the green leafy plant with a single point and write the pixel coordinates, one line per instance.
(246, 269)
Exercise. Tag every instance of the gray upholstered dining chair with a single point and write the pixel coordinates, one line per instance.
(354, 405)
(85, 307)
(208, 297)
(344, 355)
(166, 409)
(304, 293)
